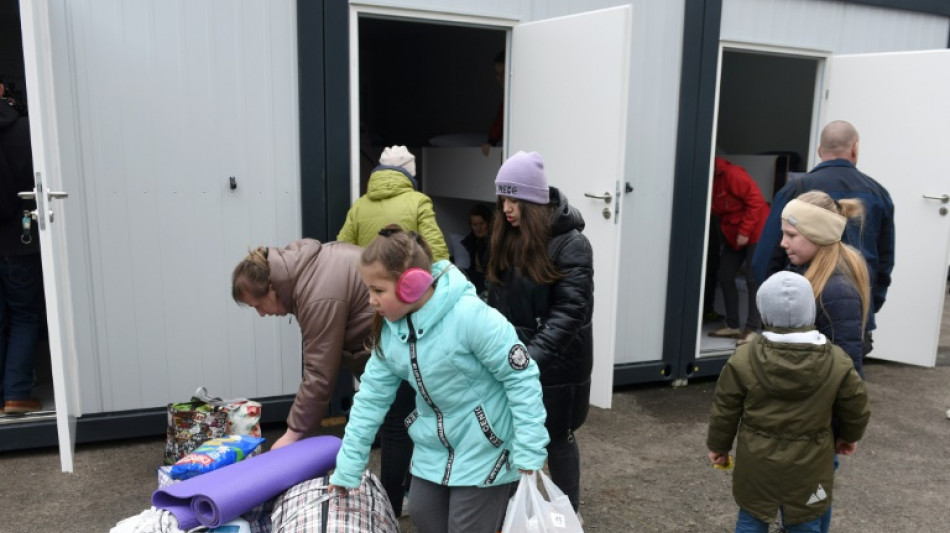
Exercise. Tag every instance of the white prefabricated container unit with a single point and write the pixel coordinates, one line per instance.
(185, 132)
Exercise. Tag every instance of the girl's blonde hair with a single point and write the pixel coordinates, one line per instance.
(397, 251)
(251, 277)
(838, 256)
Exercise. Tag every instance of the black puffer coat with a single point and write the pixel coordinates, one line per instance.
(554, 321)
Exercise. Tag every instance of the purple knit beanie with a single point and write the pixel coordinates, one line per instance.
(522, 177)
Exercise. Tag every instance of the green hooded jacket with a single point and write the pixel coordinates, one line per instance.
(391, 199)
(780, 397)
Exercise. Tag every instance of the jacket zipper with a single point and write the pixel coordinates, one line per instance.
(440, 424)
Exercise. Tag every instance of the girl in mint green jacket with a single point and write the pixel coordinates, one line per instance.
(479, 417)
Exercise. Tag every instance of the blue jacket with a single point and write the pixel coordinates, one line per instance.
(838, 317)
(840, 179)
(479, 415)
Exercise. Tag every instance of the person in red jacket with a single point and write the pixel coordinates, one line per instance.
(741, 208)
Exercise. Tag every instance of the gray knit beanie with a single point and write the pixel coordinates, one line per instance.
(786, 300)
(522, 177)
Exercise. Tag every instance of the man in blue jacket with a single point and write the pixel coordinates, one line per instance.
(838, 176)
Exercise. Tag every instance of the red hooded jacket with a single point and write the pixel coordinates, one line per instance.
(738, 202)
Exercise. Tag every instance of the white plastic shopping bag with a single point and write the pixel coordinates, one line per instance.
(530, 512)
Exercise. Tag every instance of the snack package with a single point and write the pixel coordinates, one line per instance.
(190, 424)
(214, 454)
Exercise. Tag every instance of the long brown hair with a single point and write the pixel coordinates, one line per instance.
(524, 247)
(397, 251)
(838, 256)
(251, 276)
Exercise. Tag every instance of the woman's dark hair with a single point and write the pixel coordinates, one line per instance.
(524, 247)
(397, 251)
(479, 210)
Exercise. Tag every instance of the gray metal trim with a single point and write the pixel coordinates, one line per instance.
(933, 7)
(701, 28)
(650, 372)
(114, 426)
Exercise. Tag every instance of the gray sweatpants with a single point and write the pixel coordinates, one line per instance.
(440, 509)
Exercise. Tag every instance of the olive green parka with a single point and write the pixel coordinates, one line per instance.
(780, 397)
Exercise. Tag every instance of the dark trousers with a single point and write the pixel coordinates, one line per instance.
(567, 407)
(21, 320)
(396, 446)
(714, 239)
(564, 464)
(729, 262)
(441, 509)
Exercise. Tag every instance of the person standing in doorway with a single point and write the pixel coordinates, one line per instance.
(392, 198)
(22, 314)
(319, 283)
(497, 129)
(838, 176)
(738, 204)
(477, 244)
(541, 277)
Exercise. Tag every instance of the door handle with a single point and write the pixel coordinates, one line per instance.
(606, 197)
(52, 195)
(944, 198)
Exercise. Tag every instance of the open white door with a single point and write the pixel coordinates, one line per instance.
(568, 102)
(899, 104)
(37, 49)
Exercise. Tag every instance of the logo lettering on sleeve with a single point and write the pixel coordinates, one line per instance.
(518, 357)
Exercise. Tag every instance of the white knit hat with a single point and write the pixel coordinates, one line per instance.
(399, 156)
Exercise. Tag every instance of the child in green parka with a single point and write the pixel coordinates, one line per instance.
(778, 393)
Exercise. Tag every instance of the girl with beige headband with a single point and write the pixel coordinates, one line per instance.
(812, 225)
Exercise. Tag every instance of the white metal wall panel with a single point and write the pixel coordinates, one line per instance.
(651, 151)
(171, 99)
(835, 27)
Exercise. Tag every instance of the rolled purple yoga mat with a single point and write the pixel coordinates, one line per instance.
(221, 495)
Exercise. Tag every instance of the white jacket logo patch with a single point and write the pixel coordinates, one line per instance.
(818, 496)
(518, 357)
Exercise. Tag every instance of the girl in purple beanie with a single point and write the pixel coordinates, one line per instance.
(541, 277)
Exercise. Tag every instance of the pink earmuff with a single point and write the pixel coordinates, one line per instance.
(412, 285)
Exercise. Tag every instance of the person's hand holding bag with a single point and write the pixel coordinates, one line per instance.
(530, 512)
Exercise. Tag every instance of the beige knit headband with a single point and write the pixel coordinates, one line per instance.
(817, 224)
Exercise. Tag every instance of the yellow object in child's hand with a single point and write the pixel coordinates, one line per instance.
(728, 466)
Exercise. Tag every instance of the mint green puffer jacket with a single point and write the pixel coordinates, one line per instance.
(479, 415)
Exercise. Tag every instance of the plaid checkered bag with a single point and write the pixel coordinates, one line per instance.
(309, 507)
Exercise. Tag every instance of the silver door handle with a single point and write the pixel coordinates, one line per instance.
(944, 198)
(30, 195)
(606, 197)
